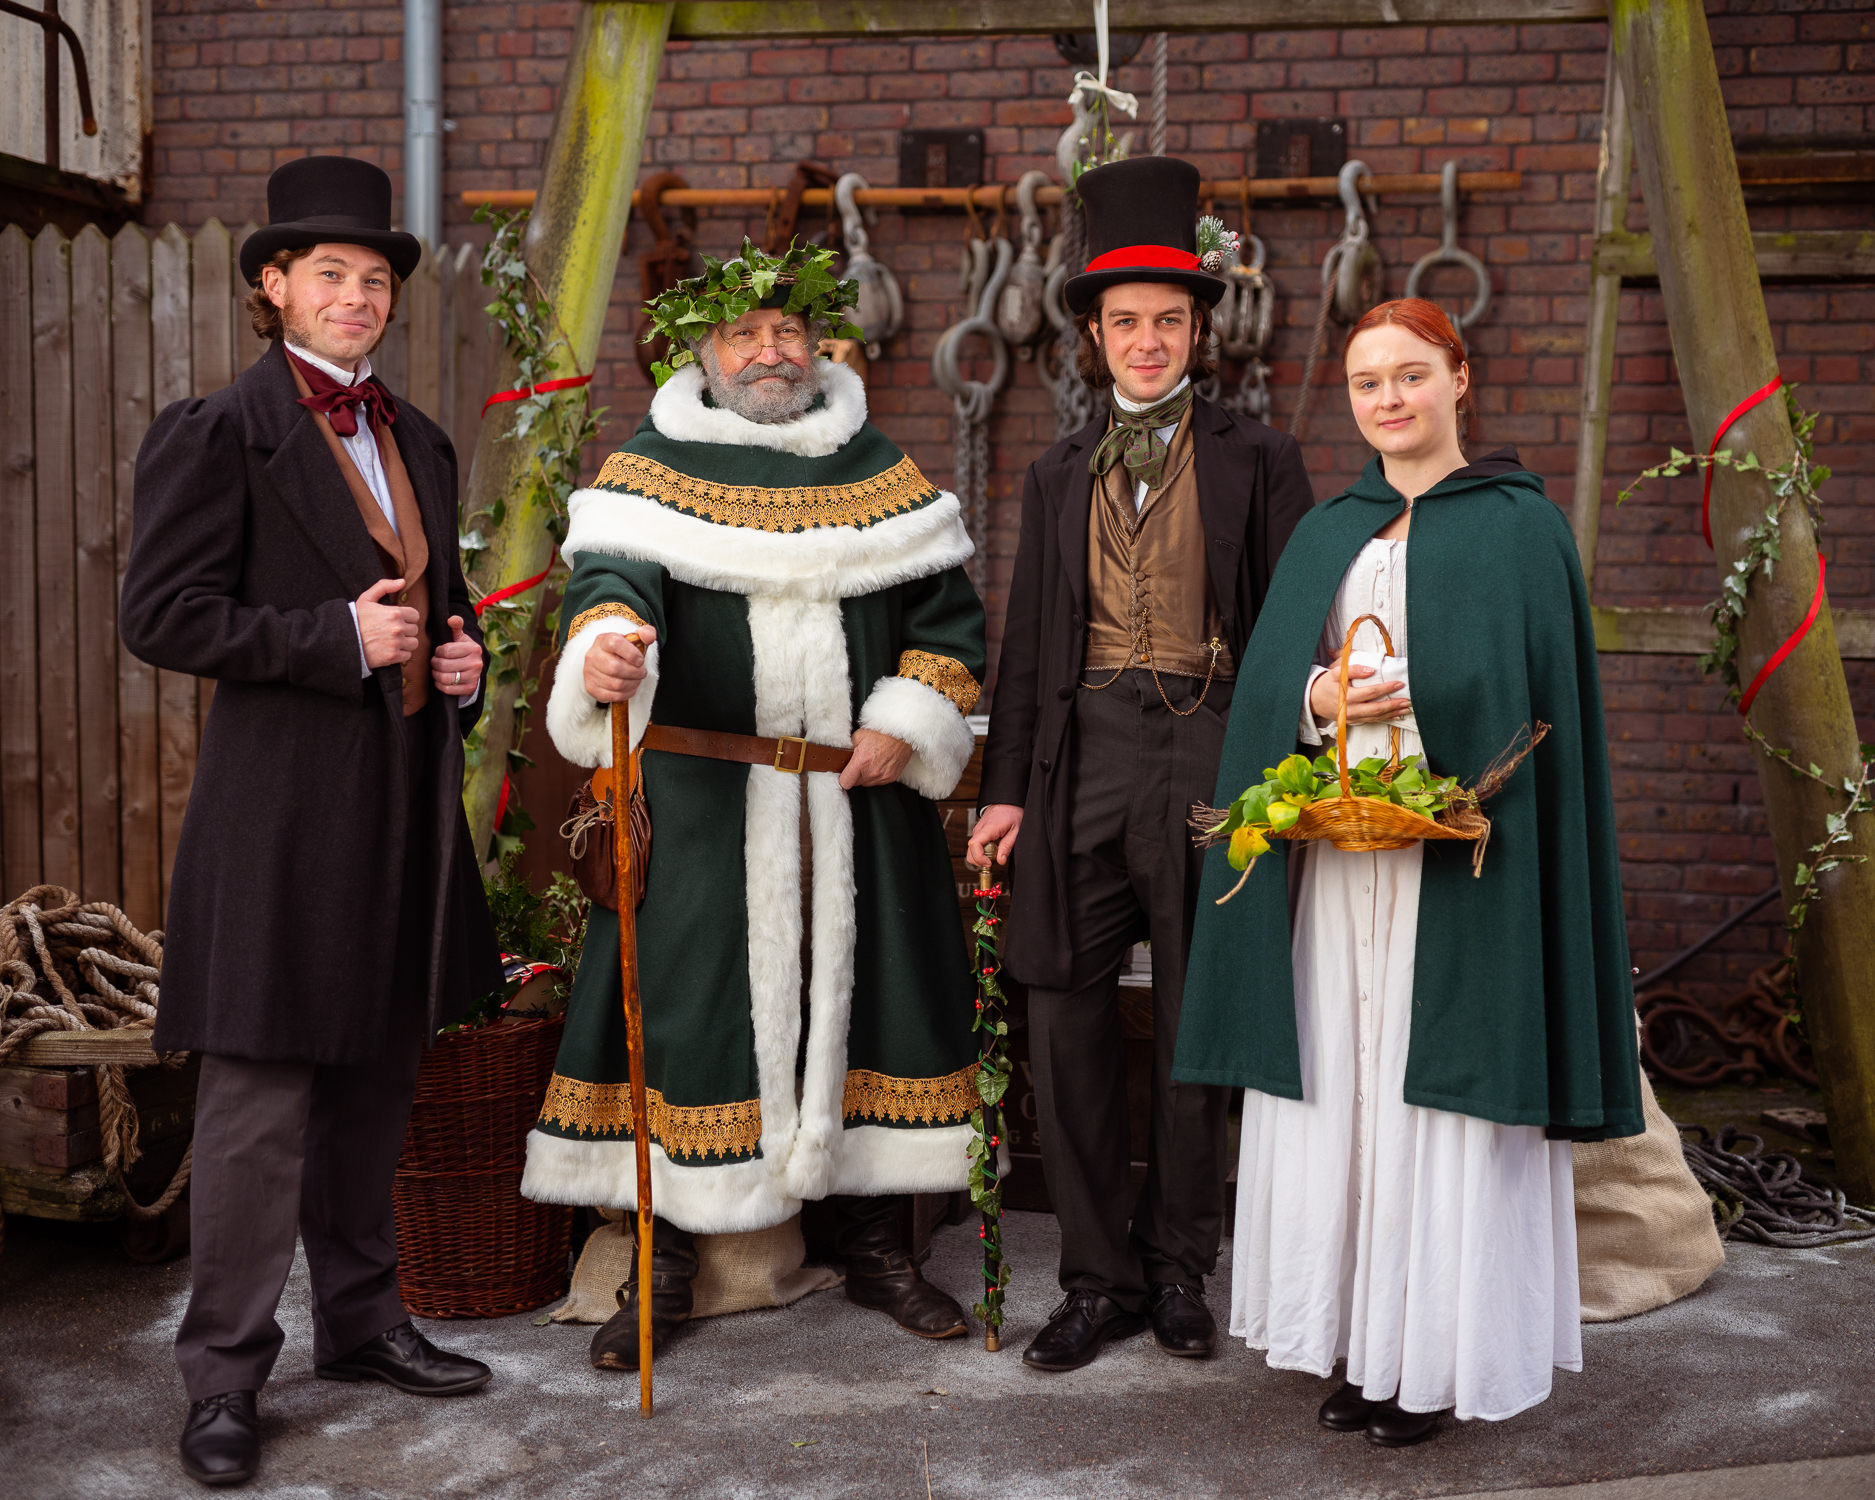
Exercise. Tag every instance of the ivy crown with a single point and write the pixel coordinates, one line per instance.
(728, 289)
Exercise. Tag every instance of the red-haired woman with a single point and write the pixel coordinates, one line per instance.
(1420, 1045)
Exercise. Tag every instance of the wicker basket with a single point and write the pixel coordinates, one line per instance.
(468, 1244)
(1358, 824)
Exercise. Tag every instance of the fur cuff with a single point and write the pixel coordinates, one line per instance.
(926, 720)
(581, 726)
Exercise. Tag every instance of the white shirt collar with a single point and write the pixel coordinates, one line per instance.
(1125, 405)
(342, 376)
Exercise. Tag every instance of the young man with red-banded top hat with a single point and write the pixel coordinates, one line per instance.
(296, 542)
(1146, 547)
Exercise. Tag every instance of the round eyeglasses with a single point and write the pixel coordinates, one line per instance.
(790, 338)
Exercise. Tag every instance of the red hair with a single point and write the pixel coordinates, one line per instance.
(1427, 322)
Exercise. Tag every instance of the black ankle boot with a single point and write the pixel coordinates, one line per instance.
(673, 1269)
(1390, 1427)
(1347, 1410)
(879, 1272)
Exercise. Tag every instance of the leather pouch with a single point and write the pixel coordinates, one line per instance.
(589, 830)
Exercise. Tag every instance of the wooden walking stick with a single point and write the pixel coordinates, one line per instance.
(624, 778)
(987, 1121)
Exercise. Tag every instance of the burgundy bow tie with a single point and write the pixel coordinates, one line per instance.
(340, 402)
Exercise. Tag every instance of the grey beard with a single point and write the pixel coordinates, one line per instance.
(740, 394)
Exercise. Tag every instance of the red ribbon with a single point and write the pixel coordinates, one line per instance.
(501, 802)
(521, 393)
(511, 590)
(1159, 257)
(1776, 660)
(1777, 656)
(1705, 501)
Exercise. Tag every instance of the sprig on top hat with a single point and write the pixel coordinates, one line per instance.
(801, 281)
(1217, 246)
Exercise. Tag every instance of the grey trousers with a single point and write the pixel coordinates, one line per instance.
(291, 1148)
(1132, 875)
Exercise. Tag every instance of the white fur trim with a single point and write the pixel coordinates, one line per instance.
(679, 413)
(579, 725)
(724, 1199)
(825, 562)
(877, 1159)
(925, 719)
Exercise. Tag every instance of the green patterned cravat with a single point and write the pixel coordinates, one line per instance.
(1135, 434)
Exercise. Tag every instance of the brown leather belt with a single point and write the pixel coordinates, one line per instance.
(788, 753)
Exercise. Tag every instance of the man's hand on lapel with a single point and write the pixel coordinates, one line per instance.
(456, 665)
(387, 632)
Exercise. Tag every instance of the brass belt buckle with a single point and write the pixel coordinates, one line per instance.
(791, 739)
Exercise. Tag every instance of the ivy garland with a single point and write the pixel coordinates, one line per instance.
(728, 289)
(1797, 481)
(557, 425)
(986, 1121)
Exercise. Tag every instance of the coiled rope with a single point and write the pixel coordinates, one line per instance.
(1763, 1196)
(71, 965)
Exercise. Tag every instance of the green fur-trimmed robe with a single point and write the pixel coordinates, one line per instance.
(804, 578)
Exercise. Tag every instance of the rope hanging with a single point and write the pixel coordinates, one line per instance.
(1161, 48)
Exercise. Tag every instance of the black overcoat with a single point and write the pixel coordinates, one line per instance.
(1252, 490)
(283, 915)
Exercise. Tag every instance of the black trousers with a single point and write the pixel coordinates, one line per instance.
(286, 1147)
(1132, 875)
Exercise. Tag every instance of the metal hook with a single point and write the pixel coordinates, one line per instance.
(1352, 266)
(881, 308)
(1449, 252)
(1347, 186)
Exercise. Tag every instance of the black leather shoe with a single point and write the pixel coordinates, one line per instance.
(1389, 1427)
(1078, 1329)
(673, 1271)
(1347, 1410)
(221, 1440)
(406, 1359)
(880, 1273)
(1181, 1323)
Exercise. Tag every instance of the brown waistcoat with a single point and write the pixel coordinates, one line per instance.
(1148, 590)
(403, 553)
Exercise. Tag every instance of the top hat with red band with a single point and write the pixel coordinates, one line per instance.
(1142, 225)
(324, 200)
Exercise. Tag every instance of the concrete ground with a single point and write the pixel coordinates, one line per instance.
(1760, 1376)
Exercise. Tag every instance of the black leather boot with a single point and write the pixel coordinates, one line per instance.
(1390, 1427)
(1347, 1410)
(221, 1440)
(673, 1269)
(879, 1272)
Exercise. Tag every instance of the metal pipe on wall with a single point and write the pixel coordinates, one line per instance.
(423, 119)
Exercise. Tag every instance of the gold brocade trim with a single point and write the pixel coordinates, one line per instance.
(602, 612)
(759, 508)
(929, 1101)
(705, 1130)
(942, 674)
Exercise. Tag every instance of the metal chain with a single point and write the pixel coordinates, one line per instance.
(970, 450)
(1074, 402)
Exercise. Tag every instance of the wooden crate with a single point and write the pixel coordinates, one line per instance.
(51, 1149)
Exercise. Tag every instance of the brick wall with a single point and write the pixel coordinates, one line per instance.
(241, 88)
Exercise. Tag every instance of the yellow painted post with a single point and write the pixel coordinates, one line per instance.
(1722, 344)
(574, 236)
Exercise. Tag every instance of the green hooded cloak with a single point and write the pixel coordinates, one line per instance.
(1523, 1009)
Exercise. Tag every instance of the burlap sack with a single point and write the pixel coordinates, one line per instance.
(735, 1272)
(1644, 1230)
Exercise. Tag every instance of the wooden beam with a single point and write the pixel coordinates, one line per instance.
(751, 20)
(1783, 254)
(1724, 350)
(993, 195)
(1680, 631)
(84, 1049)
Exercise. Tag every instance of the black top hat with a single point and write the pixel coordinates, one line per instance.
(1142, 225)
(321, 200)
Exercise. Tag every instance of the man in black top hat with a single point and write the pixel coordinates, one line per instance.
(295, 541)
(1146, 547)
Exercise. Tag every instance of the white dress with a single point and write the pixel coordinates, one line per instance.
(1433, 1251)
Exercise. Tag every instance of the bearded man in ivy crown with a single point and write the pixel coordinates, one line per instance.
(779, 595)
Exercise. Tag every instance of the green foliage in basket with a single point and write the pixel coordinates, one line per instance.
(549, 926)
(1274, 806)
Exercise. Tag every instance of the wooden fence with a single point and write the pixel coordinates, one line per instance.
(97, 750)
